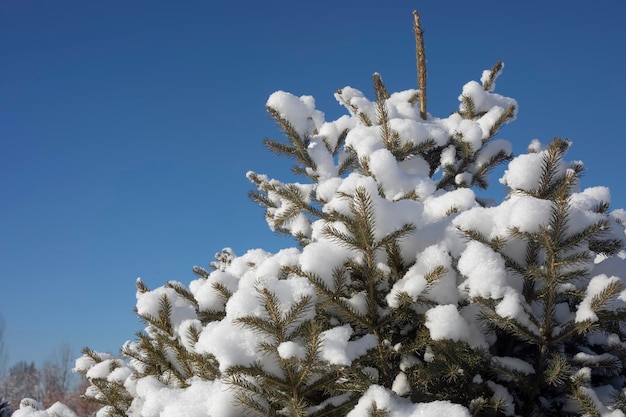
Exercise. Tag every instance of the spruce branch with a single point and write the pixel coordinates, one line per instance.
(496, 70)
(552, 161)
(299, 145)
(393, 237)
(390, 140)
(300, 380)
(279, 148)
(581, 395)
(395, 261)
(411, 195)
(349, 162)
(341, 141)
(480, 175)
(410, 149)
(435, 274)
(336, 300)
(360, 226)
(374, 411)
(558, 372)
(223, 292)
(362, 208)
(364, 166)
(619, 402)
(363, 118)
(342, 238)
(141, 287)
(200, 272)
(183, 292)
(468, 108)
(608, 293)
(112, 395)
(509, 325)
(605, 365)
(506, 116)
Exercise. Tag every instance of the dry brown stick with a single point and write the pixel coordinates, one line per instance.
(421, 62)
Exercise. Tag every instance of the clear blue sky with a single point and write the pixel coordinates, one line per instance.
(127, 127)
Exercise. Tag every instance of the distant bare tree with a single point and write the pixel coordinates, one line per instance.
(5, 408)
(21, 382)
(56, 375)
(3, 350)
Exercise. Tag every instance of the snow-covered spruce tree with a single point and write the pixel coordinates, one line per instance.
(550, 287)
(407, 295)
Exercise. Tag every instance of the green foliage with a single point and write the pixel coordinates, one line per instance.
(300, 379)
(162, 354)
(557, 262)
(111, 395)
(272, 194)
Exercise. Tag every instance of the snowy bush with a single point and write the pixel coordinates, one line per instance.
(407, 295)
(32, 408)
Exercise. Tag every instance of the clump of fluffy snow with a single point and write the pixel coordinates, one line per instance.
(414, 283)
(488, 74)
(442, 204)
(514, 364)
(467, 130)
(493, 148)
(338, 349)
(205, 293)
(513, 306)
(84, 363)
(355, 101)
(149, 304)
(503, 396)
(596, 285)
(485, 100)
(389, 216)
(300, 111)
(233, 344)
(522, 212)
(445, 322)
(395, 180)
(484, 270)
(401, 385)
(288, 350)
(619, 215)
(333, 255)
(200, 399)
(583, 212)
(448, 157)
(331, 131)
(384, 399)
(324, 162)
(448, 322)
(32, 408)
(103, 369)
(229, 343)
(523, 172)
